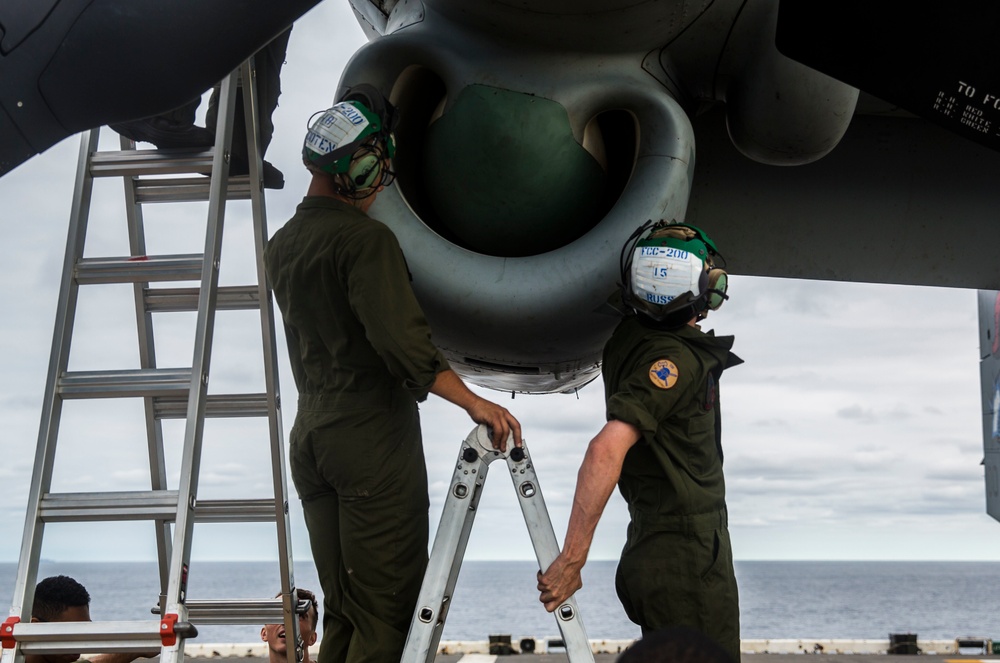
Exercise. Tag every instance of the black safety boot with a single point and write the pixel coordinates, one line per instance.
(273, 178)
(165, 134)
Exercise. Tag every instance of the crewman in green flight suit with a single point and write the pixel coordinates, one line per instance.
(661, 445)
(362, 357)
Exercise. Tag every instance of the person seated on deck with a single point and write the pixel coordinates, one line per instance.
(274, 634)
(63, 599)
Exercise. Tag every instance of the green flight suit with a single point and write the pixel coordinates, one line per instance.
(677, 564)
(362, 358)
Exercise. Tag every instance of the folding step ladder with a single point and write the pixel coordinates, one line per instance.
(452, 537)
(166, 393)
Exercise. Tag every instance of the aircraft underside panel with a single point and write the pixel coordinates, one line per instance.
(898, 201)
(989, 346)
(71, 65)
(937, 60)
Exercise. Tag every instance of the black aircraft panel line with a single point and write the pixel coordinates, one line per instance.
(71, 65)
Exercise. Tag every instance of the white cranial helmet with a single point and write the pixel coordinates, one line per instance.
(670, 275)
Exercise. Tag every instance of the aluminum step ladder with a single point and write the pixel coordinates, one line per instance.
(167, 393)
(457, 518)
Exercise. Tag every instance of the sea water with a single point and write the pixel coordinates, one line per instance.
(816, 600)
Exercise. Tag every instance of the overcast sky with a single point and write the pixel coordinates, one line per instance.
(852, 431)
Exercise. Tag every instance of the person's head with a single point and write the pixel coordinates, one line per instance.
(274, 634)
(677, 644)
(669, 274)
(351, 143)
(59, 599)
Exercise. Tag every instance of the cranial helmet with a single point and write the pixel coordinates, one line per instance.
(669, 275)
(353, 138)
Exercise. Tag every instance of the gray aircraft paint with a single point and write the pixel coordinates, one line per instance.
(791, 172)
(538, 322)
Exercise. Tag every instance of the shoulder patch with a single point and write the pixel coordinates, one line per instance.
(663, 373)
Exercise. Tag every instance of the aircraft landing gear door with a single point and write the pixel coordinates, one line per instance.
(452, 537)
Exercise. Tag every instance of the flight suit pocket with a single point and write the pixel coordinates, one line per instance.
(700, 449)
(713, 557)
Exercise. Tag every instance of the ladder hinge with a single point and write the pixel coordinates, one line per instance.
(168, 634)
(7, 632)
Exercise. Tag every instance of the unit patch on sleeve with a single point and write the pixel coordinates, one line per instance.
(663, 373)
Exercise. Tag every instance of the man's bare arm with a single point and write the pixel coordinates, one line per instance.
(602, 465)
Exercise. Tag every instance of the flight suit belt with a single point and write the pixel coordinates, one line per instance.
(695, 522)
(347, 400)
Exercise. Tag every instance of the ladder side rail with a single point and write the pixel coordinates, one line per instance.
(546, 545)
(279, 473)
(147, 360)
(41, 478)
(204, 326)
(447, 553)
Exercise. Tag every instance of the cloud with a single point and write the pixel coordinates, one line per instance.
(769, 423)
(857, 413)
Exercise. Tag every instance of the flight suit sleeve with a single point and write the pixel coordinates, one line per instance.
(651, 392)
(382, 299)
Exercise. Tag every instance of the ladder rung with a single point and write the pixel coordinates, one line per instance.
(216, 405)
(149, 505)
(234, 611)
(229, 298)
(85, 637)
(140, 269)
(187, 189)
(123, 383)
(150, 162)
(108, 506)
(235, 511)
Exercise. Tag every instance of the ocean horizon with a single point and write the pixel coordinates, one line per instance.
(778, 599)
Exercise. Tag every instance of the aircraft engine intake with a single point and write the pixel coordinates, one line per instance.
(514, 194)
(504, 175)
(525, 162)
